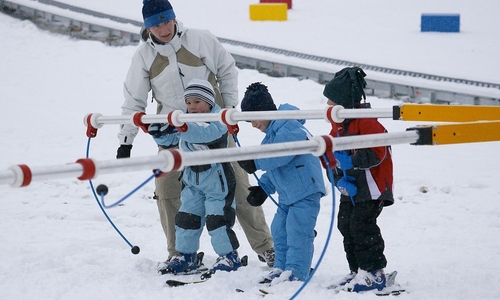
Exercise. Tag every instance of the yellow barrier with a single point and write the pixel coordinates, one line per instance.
(486, 127)
(444, 134)
(448, 113)
(269, 12)
(466, 133)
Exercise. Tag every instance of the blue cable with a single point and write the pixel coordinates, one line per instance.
(134, 249)
(106, 215)
(132, 192)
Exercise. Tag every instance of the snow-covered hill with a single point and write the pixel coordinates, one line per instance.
(58, 245)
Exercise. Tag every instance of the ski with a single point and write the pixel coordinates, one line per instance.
(243, 291)
(392, 288)
(384, 292)
(381, 293)
(265, 292)
(175, 283)
(396, 292)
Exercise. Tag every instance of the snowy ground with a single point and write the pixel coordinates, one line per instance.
(58, 245)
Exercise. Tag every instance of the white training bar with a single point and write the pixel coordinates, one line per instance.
(173, 160)
(232, 116)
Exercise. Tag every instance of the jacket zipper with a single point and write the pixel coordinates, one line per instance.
(221, 181)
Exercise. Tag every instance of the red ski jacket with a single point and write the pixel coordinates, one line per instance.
(373, 171)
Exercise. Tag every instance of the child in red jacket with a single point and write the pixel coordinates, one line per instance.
(364, 178)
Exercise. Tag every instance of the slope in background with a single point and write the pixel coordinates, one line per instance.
(57, 244)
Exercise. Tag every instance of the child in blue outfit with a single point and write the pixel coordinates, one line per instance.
(297, 179)
(208, 190)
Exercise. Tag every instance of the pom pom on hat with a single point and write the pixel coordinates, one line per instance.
(201, 89)
(156, 12)
(257, 98)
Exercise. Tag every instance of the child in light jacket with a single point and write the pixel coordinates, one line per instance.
(207, 195)
(297, 179)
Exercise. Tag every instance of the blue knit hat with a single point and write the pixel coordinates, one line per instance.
(156, 12)
(257, 98)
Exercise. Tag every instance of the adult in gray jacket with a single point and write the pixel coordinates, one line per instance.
(169, 58)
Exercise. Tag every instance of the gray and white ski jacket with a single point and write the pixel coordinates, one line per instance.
(165, 69)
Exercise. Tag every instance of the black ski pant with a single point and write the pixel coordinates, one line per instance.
(363, 243)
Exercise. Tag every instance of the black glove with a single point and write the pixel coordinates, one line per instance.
(257, 196)
(160, 129)
(248, 166)
(123, 151)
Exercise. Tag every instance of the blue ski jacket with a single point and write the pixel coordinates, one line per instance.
(208, 192)
(293, 177)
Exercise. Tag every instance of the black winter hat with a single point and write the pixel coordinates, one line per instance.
(347, 87)
(257, 98)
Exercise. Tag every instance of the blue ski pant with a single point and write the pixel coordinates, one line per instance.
(293, 233)
(207, 199)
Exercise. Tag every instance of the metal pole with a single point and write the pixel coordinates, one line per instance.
(233, 116)
(173, 160)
